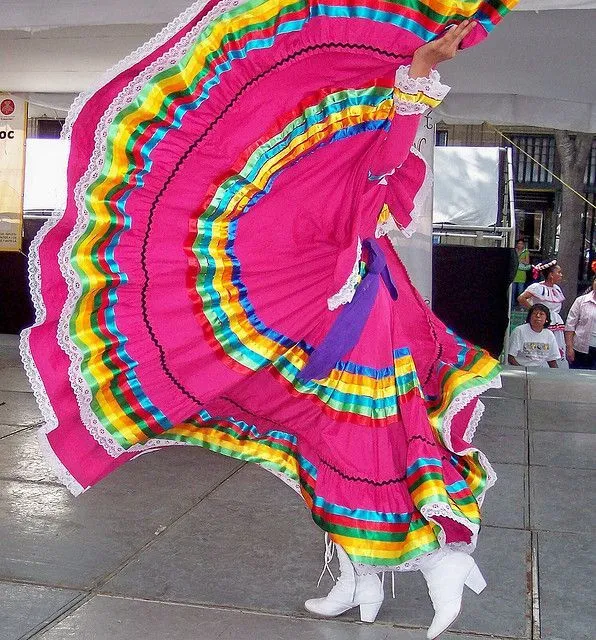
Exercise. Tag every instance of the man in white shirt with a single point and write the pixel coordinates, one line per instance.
(580, 331)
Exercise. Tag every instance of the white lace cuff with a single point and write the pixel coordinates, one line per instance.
(388, 225)
(416, 95)
(431, 87)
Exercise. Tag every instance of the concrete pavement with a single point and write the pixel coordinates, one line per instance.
(185, 544)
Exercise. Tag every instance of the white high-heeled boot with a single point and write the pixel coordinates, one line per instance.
(350, 590)
(446, 573)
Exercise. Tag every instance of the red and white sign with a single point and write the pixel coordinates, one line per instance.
(13, 131)
(7, 107)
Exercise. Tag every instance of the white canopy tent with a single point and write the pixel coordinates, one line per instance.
(41, 14)
(536, 69)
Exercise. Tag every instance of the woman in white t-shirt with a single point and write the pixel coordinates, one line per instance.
(532, 344)
(550, 295)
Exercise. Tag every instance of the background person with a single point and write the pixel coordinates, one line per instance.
(550, 295)
(532, 345)
(580, 331)
(523, 266)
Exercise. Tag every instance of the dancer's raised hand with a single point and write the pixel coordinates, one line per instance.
(445, 47)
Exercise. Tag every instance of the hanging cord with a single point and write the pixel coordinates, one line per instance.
(329, 552)
(554, 175)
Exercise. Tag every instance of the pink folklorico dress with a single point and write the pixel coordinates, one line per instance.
(217, 279)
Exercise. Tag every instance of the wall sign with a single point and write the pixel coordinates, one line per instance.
(13, 133)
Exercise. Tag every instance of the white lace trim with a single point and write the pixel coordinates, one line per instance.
(143, 51)
(410, 108)
(293, 484)
(457, 405)
(390, 226)
(36, 382)
(386, 228)
(47, 411)
(57, 467)
(416, 563)
(79, 385)
(430, 86)
(346, 293)
(474, 422)
(421, 196)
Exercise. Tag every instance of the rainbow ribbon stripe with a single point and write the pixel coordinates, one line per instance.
(370, 537)
(119, 401)
(232, 324)
(351, 392)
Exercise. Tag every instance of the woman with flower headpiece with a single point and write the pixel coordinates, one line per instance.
(548, 293)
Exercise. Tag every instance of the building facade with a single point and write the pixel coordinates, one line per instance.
(537, 192)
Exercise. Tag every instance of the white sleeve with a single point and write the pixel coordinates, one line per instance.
(515, 341)
(531, 289)
(553, 348)
(573, 316)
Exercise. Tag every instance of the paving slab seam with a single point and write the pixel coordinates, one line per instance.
(45, 585)
(29, 425)
(19, 430)
(529, 600)
(29, 392)
(56, 618)
(45, 483)
(561, 466)
(507, 528)
(527, 487)
(95, 589)
(51, 620)
(535, 588)
(482, 636)
(533, 603)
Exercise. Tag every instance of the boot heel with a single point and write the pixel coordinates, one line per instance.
(475, 580)
(368, 612)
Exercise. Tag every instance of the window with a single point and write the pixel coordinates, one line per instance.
(542, 149)
(49, 128)
(529, 227)
(441, 138)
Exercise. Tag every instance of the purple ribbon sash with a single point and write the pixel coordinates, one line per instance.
(345, 332)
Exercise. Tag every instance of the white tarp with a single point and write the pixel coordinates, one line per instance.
(36, 14)
(466, 186)
(542, 5)
(535, 69)
(45, 174)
